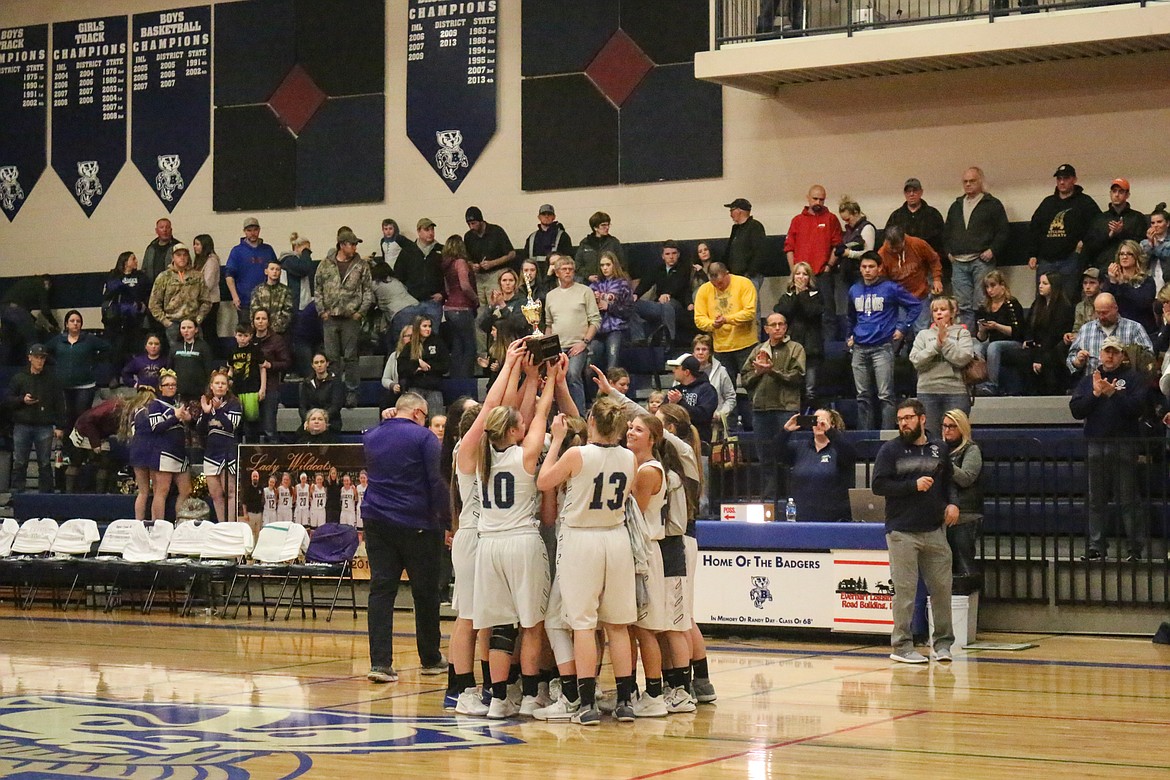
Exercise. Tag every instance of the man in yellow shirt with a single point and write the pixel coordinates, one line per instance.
(725, 307)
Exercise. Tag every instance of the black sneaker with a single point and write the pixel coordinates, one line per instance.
(1092, 555)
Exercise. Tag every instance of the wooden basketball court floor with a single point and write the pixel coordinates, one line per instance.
(88, 695)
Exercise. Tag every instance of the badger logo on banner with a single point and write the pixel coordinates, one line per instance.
(761, 591)
(88, 186)
(450, 156)
(169, 179)
(10, 190)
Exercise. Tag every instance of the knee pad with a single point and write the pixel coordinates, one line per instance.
(561, 641)
(503, 638)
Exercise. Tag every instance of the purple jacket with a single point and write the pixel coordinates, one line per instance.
(405, 488)
(620, 299)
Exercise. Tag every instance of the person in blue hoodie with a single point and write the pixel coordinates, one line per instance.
(1110, 401)
(880, 314)
(693, 392)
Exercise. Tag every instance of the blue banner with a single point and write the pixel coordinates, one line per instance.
(24, 63)
(170, 136)
(89, 106)
(451, 83)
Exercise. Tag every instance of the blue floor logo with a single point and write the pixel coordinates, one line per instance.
(68, 736)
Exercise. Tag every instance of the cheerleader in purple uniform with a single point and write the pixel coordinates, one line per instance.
(221, 414)
(167, 418)
(136, 428)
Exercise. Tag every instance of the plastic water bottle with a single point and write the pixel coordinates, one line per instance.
(790, 511)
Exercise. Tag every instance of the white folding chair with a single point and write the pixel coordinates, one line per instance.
(73, 541)
(226, 546)
(177, 569)
(277, 546)
(8, 530)
(147, 543)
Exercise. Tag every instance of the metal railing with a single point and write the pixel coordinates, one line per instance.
(1035, 528)
(739, 21)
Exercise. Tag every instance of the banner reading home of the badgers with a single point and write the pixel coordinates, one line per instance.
(451, 83)
(170, 135)
(764, 588)
(89, 106)
(24, 77)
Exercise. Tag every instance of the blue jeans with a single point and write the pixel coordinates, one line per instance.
(25, 438)
(938, 404)
(873, 374)
(606, 348)
(657, 314)
(994, 352)
(1069, 269)
(766, 425)
(578, 365)
(967, 282)
(460, 334)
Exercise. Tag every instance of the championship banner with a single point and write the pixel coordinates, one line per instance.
(89, 106)
(170, 136)
(451, 83)
(24, 105)
(279, 467)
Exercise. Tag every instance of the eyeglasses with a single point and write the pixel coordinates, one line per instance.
(1126, 254)
(949, 426)
(907, 418)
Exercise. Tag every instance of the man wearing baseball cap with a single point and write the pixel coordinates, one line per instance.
(548, 238)
(344, 292)
(1057, 229)
(38, 412)
(244, 270)
(1119, 222)
(1110, 400)
(693, 392)
(920, 219)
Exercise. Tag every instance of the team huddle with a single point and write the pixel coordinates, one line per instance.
(572, 536)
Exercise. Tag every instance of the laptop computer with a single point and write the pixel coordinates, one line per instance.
(866, 506)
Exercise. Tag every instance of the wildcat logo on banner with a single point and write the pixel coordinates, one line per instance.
(451, 83)
(170, 136)
(24, 78)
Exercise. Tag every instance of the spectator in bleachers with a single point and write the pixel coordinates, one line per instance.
(490, 251)
(1049, 320)
(1161, 339)
(38, 417)
(1119, 222)
(191, 361)
(344, 294)
(570, 311)
(746, 251)
(977, 232)
(912, 263)
(858, 236)
(656, 399)
(300, 269)
(939, 355)
(1083, 310)
(717, 375)
(967, 467)
(395, 305)
(390, 384)
(773, 375)
(1058, 227)
(703, 260)
(821, 468)
(459, 306)
(671, 308)
(615, 302)
(1156, 245)
(918, 218)
(880, 313)
(316, 430)
(619, 379)
(423, 363)
(812, 236)
(18, 304)
(548, 239)
(135, 430)
(157, 256)
(802, 306)
(693, 392)
(249, 379)
(178, 294)
(323, 390)
(124, 307)
(1001, 331)
(275, 298)
(75, 355)
(166, 420)
(1110, 401)
(725, 307)
(593, 246)
(277, 360)
(506, 300)
(502, 334)
(205, 261)
(143, 369)
(1131, 285)
(245, 267)
(1083, 354)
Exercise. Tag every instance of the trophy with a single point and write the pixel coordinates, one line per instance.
(542, 348)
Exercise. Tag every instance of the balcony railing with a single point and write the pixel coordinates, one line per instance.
(739, 21)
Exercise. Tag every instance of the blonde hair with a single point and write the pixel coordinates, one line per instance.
(1001, 280)
(499, 421)
(609, 417)
(144, 395)
(1139, 256)
(309, 415)
(812, 278)
(849, 205)
(963, 423)
(297, 240)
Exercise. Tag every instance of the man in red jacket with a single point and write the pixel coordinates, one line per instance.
(812, 235)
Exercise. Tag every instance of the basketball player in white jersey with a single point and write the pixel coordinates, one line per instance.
(268, 514)
(349, 501)
(511, 568)
(317, 498)
(284, 499)
(594, 559)
(363, 483)
(301, 508)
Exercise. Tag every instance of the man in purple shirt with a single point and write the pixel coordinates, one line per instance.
(406, 514)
